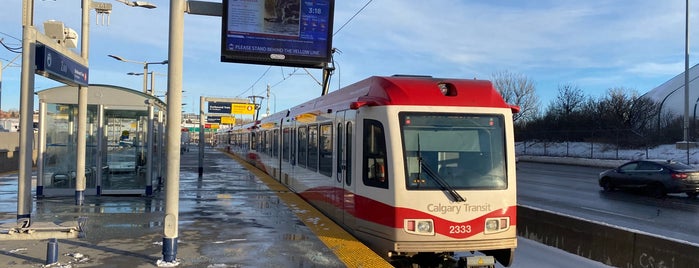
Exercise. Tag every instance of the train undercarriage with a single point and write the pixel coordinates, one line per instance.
(451, 260)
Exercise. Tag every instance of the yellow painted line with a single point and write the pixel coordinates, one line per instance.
(345, 246)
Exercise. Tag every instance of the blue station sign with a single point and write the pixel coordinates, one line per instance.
(219, 107)
(56, 66)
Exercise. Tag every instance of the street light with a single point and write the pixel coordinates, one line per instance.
(152, 79)
(145, 68)
(143, 4)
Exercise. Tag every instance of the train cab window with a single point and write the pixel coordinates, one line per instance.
(454, 151)
(313, 147)
(325, 149)
(374, 169)
(303, 145)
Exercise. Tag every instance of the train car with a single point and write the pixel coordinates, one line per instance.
(417, 168)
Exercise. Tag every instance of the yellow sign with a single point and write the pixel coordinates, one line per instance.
(227, 120)
(306, 118)
(242, 108)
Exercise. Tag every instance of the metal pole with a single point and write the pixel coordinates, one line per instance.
(149, 150)
(0, 85)
(686, 79)
(152, 83)
(24, 191)
(174, 119)
(161, 149)
(80, 183)
(145, 77)
(100, 149)
(40, 150)
(202, 138)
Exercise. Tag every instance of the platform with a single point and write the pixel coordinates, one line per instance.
(231, 217)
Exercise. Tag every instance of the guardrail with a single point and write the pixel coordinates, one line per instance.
(611, 245)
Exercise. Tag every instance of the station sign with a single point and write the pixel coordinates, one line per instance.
(213, 119)
(231, 108)
(54, 65)
(227, 120)
(243, 108)
(219, 107)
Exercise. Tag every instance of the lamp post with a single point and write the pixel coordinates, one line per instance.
(151, 128)
(145, 68)
(257, 105)
(152, 80)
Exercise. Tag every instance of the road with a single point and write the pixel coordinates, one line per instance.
(573, 190)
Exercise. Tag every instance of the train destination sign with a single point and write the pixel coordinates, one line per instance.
(296, 33)
(54, 65)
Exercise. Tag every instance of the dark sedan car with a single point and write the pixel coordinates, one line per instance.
(658, 177)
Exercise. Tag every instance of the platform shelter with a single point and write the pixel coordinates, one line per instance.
(125, 141)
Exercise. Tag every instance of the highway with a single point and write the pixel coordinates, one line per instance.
(574, 190)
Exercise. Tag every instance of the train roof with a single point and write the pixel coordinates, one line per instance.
(403, 90)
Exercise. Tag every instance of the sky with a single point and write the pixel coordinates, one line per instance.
(595, 45)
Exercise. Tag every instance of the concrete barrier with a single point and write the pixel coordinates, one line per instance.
(9, 151)
(604, 243)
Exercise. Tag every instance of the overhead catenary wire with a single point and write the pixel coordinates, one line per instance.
(284, 78)
(17, 50)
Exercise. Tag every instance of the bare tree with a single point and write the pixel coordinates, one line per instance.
(569, 100)
(519, 90)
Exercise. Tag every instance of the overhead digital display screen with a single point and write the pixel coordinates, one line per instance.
(295, 33)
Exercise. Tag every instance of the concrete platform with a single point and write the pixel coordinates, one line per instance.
(231, 217)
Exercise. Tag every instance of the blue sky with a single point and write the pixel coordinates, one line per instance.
(595, 44)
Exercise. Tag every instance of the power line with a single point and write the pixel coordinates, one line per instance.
(258, 80)
(351, 18)
(11, 49)
(8, 35)
(284, 78)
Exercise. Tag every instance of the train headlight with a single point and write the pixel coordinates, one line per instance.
(419, 226)
(496, 225)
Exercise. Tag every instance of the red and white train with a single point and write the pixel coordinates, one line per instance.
(417, 168)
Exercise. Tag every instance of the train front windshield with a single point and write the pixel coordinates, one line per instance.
(454, 151)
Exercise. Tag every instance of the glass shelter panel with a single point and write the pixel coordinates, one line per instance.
(126, 155)
(61, 146)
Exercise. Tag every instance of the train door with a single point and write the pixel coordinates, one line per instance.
(343, 176)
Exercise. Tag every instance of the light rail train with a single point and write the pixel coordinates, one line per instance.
(417, 168)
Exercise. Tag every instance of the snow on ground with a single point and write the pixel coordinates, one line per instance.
(604, 155)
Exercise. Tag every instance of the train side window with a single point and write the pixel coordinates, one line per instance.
(302, 145)
(348, 154)
(286, 144)
(338, 157)
(375, 171)
(275, 143)
(253, 141)
(292, 158)
(325, 149)
(313, 147)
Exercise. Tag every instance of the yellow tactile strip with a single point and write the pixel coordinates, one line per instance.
(347, 248)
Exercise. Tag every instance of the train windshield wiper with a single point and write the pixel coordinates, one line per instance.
(444, 185)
